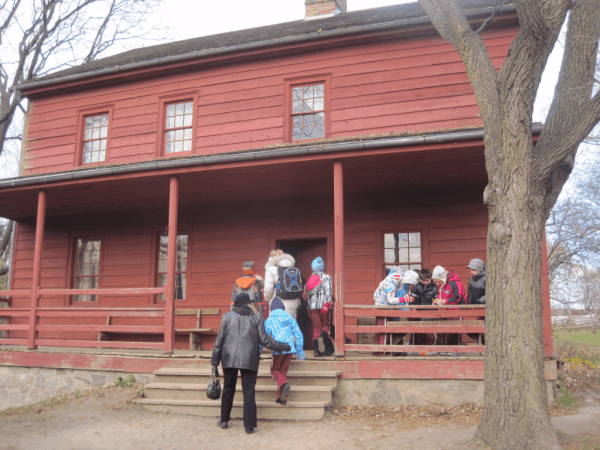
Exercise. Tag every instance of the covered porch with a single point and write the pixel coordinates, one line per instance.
(233, 211)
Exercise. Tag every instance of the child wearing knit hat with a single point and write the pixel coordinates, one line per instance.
(283, 328)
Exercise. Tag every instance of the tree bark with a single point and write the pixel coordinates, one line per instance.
(524, 182)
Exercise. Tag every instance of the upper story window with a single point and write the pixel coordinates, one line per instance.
(308, 112)
(178, 127)
(95, 138)
(401, 250)
(86, 267)
(180, 265)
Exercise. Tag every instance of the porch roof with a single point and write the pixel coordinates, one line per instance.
(370, 165)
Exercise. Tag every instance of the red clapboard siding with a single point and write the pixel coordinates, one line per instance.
(380, 87)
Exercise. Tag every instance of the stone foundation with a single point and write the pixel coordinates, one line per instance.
(391, 392)
(20, 386)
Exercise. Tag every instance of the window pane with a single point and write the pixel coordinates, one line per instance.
(319, 131)
(187, 120)
(319, 90)
(88, 133)
(309, 119)
(101, 156)
(319, 104)
(96, 133)
(189, 107)
(403, 268)
(403, 253)
(104, 121)
(390, 255)
(297, 106)
(402, 240)
(103, 144)
(170, 122)
(179, 135)
(388, 241)
(169, 147)
(298, 133)
(89, 122)
(297, 93)
(179, 109)
(307, 106)
(308, 92)
(414, 239)
(415, 266)
(415, 255)
(178, 121)
(187, 133)
(170, 135)
(178, 146)
(95, 145)
(187, 146)
(97, 121)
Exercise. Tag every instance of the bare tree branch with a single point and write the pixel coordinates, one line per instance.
(489, 19)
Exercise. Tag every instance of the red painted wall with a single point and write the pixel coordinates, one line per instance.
(389, 86)
(453, 227)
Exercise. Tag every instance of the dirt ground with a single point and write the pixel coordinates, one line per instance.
(106, 419)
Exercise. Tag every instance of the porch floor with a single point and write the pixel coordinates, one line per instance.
(206, 354)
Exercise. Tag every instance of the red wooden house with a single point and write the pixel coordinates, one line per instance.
(150, 176)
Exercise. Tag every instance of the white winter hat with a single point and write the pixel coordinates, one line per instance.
(439, 273)
(410, 277)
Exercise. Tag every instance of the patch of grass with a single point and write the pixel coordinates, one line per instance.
(565, 398)
(578, 336)
(581, 442)
(125, 382)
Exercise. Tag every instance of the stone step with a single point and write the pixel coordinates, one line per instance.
(201, 376)
(212, 408)
(189, 391)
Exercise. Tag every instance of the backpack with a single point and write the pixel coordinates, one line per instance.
(289, 283)
(313, 282)
(247, 285)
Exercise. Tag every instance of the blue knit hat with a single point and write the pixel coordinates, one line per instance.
(276, 303)
(318, 265)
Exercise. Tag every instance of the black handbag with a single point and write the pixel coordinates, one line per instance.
(213, 391)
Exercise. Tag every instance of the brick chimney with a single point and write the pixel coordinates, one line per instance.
(318, 9)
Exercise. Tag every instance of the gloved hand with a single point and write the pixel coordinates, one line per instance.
(326, 308)
(393, 300)
(302, 356)
(287, 348)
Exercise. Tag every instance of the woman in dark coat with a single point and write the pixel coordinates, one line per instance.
(237, 348)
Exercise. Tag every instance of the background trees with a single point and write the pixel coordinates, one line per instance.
(38, 37)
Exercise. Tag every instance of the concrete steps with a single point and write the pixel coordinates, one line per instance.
(183, 391)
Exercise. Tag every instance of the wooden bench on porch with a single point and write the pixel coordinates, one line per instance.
(195, 334)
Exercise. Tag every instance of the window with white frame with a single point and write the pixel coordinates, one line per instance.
(95, 138)
(178, 127)
(308, 112)
(401, 250)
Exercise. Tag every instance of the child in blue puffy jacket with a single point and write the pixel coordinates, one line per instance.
(283, 327)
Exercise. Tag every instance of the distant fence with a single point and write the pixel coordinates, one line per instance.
(572, 322)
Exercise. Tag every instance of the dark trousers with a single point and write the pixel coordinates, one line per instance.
(248, 386)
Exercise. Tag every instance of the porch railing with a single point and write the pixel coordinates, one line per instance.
(454, 319)
(87, 312)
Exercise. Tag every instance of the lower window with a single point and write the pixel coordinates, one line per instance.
(180, 265)
(86, 267)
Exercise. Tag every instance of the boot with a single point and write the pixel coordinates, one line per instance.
(321, 341)
(316, 347)
(329, 348)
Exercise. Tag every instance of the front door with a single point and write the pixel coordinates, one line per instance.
(304, 251)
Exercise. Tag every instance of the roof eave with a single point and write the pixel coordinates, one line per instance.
(373, 28)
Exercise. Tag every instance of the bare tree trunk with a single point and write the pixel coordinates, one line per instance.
(516, 414)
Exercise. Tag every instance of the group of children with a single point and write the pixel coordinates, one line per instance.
(423, 287)
(281, 296)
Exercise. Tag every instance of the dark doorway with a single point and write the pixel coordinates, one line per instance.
(304, 252)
